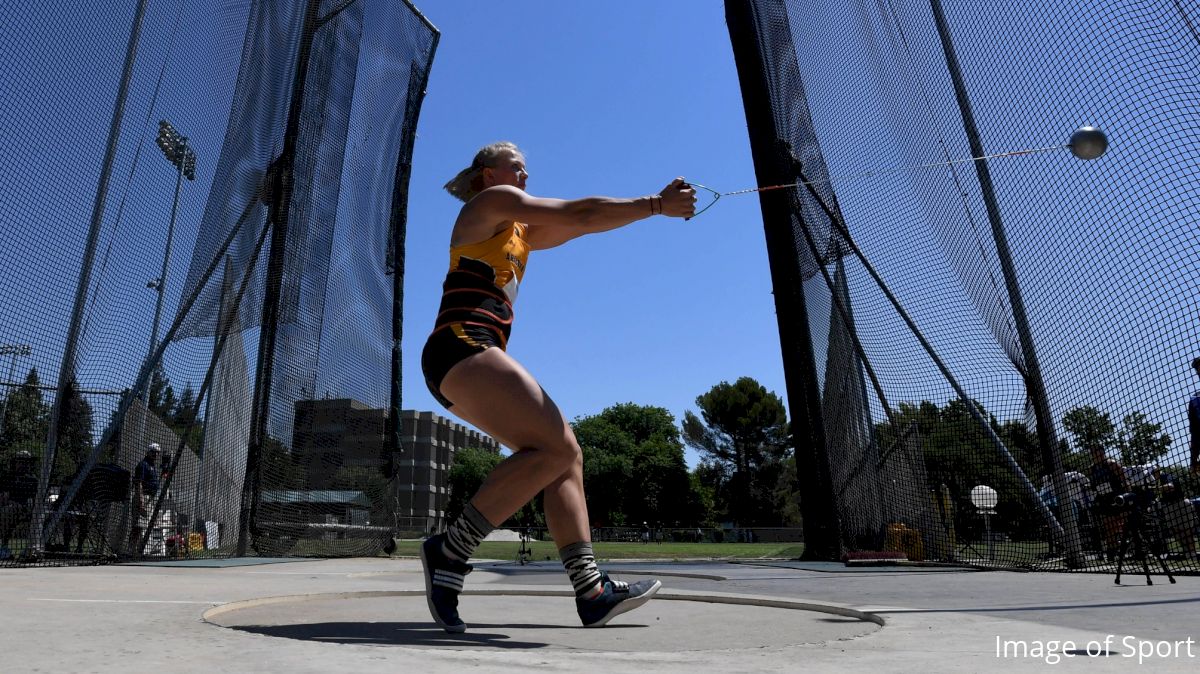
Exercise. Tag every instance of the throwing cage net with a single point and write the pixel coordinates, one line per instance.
(989, 362)
(204, 217)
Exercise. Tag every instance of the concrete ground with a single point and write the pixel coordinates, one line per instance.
(369, 615)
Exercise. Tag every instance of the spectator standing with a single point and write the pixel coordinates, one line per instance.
(145, 487)
(1108, 482)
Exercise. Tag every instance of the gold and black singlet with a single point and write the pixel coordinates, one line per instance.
(476, 312)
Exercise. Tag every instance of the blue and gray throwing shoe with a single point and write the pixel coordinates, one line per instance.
(617, 598)
(443, 582)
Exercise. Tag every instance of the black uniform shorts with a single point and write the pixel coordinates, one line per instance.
(451, 344)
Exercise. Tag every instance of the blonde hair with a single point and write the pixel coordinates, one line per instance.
(469, 181)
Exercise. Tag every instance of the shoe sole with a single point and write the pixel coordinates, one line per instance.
(453, 629)
(628, 605)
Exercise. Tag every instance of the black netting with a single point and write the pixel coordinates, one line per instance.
(943, 368)
(201, 207)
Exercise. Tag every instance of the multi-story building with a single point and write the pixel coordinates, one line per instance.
(341, 433)
(430, 442)
(336, 433)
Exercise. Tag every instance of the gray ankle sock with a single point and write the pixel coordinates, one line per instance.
(465, 534)
(580, 563)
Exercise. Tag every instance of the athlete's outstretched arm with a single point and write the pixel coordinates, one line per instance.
(553, 222)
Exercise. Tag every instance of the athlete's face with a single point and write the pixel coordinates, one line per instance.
(509, 170)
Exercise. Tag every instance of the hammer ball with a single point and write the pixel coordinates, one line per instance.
(1088, 142)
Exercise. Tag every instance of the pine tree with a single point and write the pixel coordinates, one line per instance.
(76, 436)
(184, 415)
(169, 404)
(26, 418)
(158, 385)
(1140, 441)
(744, 434)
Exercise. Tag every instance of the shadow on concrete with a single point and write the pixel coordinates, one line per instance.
(868, 569)
(1043, 607)
(406, 633)
(512, 569)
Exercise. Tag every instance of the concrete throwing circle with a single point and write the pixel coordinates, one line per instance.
(532, 618)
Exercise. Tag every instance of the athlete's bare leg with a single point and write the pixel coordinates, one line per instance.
(494, 393)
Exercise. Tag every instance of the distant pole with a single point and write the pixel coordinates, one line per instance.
(161, 282)
(177, 151)
(66, 371)
(1034, 384)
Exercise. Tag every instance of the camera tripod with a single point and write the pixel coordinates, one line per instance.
(1134, 531)
(524, 554)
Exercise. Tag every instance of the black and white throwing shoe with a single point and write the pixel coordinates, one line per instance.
(443, 582)
(617, 598)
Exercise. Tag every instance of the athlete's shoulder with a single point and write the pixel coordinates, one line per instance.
(499, 193)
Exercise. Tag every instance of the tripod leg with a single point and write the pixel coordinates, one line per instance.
(1141, 550)
(1166, 570)
(1122, 546)
(1162, 545)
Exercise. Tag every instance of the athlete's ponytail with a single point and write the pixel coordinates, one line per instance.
(469, 181)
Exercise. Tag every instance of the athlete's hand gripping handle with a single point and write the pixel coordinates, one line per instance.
(678, 199)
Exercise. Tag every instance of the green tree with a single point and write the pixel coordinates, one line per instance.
(155, 396)
(785, 501)
(959, 454)
(161, 399)
(169, 404)
(608, 470)
(1141, 442)
(26, 418)
(713, 479)
(1024, 446)
(369, 482)
(75, 434)
(184, 414)
(744, 432)
(470, 467)
(634, 468)
(1091, 428)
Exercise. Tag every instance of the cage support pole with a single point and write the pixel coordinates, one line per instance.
(282, 181)
(822, 529)
(1034, 383)
(66, 369)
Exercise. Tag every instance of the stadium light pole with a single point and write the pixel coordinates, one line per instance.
(12, 351)
(175, 148)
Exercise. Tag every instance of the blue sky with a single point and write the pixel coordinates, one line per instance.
(615, 98)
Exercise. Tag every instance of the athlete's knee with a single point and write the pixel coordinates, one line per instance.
(574, 458)
(562, 451)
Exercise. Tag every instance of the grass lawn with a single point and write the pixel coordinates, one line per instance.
(543, 550)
